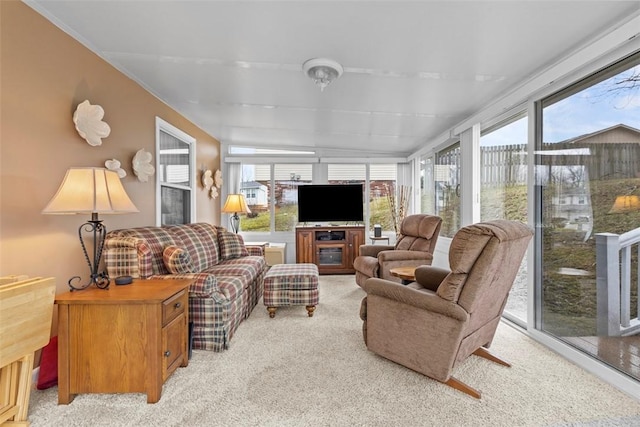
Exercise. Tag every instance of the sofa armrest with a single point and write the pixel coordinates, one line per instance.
(422, 299)
(127, 256)
(430, 277)
(403, 255)
(373, 250)
(255, 250)
(204, 285)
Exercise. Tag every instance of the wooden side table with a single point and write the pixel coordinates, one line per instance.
(125, 339)
(406, 274)
(274, 253)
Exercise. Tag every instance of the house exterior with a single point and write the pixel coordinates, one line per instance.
(255, 194)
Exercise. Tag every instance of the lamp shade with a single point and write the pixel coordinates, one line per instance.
(624, 204)
(90, 190)
(235, 203)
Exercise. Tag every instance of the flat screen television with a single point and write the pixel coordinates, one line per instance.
(327, 203)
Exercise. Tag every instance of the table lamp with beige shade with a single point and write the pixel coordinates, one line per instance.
(235, 204)
(92, 191)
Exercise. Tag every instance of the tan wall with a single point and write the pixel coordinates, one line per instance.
(45, 74)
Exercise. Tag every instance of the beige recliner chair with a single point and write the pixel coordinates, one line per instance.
(415, 246)
(435, 323)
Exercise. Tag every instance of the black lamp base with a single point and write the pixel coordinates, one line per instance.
(99, 278)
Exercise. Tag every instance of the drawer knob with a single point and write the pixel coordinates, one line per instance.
(178, 305)
(167, 353)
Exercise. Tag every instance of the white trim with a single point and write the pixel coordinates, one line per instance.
(436, 144)
(363, 160)
(531, 203)
(470, 176)
(257, 159)
(164, 126)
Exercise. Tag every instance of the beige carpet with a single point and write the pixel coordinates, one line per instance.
(298, 371)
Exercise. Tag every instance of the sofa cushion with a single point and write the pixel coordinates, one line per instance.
(249, 268)
(201, 241)
(177, 260)
(231, 245)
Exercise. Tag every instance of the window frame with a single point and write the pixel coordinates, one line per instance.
(164, 126)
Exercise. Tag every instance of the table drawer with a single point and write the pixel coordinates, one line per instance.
(174, 306)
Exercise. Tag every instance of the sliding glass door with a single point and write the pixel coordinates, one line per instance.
(588, 183)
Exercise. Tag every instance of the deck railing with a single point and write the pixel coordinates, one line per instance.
(614, 281)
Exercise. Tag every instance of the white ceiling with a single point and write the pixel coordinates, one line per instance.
(413, 70)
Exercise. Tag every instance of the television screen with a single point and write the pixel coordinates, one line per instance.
(326, 203)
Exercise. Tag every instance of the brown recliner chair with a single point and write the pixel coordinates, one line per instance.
(435, 323)
(415, 246)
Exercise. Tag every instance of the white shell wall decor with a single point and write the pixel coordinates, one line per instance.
(217, 178)
(114, 165)
(142, 167)
(89, 124)
(213, 193)
(207, 179)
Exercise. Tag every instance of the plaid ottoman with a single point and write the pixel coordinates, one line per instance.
(291, 284)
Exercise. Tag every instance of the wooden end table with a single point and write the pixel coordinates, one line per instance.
(124, 339)
(406, 274)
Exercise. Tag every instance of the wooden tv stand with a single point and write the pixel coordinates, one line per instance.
(331, 248)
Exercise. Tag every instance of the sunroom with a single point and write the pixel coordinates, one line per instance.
(561, 153)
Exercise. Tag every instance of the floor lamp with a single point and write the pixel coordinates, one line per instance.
(91, 191)
(235, 204)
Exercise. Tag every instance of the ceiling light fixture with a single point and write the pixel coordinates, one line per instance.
(322, 71)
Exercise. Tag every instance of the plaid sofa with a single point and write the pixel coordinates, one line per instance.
(228, 277)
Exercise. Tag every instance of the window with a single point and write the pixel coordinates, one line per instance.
(447, 189)
(254, 185)
(588, 154)
(503, 192)
(503, 157)
(271, 191)
(287, 178)
(427, 186)
(382, 190)
(175, 175)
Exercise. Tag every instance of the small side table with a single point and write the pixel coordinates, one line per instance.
(274, 253)
(124, 339)
(374, 239)
(406, 274)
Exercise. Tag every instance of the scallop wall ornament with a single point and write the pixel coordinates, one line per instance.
(142, 167)
(89, 124)
(213, 193)
(114, 165)
(207, 179)
(217, 178)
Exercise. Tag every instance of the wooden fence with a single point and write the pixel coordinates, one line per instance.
(507, 164)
